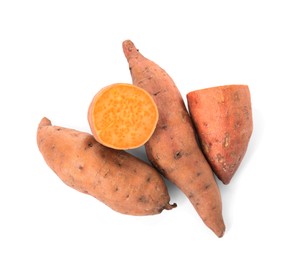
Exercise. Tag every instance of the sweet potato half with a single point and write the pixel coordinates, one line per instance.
(173, 147)
(223, 118)
(122, 116)
(118, 179)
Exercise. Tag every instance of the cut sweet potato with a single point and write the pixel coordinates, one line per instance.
(122, 116)
(223, 119)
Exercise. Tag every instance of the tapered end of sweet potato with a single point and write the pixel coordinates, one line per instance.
(129, 49)
(122, 116)
(223, 119)
(44, 122)
(170, 206)
(218, 227)
(221, 234)
(220, 231)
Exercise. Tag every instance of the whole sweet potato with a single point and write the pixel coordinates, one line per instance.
(173, 147)
(223, 118)
(118, 179)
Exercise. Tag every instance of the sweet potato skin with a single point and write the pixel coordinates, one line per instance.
(223, 118)
(173, 148)
(121, 181)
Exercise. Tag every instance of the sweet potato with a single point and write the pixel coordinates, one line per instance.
(122, 116)
(118, 179)
(223, 118)
(173, 147)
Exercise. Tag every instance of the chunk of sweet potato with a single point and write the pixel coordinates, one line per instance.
(223, 118)
(122, 116)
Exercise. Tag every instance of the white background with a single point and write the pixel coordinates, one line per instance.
(55, 55)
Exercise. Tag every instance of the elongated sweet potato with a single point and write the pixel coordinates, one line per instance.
(223, 119)
(122, 116)
(173, 147)
(118, 179)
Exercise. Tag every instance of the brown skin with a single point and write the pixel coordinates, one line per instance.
(223, 119)
(173, 147)
(118, 179)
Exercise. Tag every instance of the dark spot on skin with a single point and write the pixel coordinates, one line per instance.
(85, 192)
(89, 145)
(52, 147)
(80, 167)
(58, 129)
(207, 186)
(118, 163)
(127, 196)
(130, 68)
(205, 124)
(142, 199)
(197, 204)
(178, 155)
(116, 189)
(213, 207)
(191, 195)
(156, 93)
(198, 174)
(164, 127)
(148, 179)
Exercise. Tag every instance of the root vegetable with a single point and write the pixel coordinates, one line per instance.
(173, 147)
(122, 116)
(223, 119)
(118, 179)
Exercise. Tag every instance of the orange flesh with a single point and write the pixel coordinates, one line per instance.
(123, 116)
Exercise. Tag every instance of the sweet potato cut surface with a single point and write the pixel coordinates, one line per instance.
(122, 116)
(121, 181)
(223, 118)
(173, 147)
